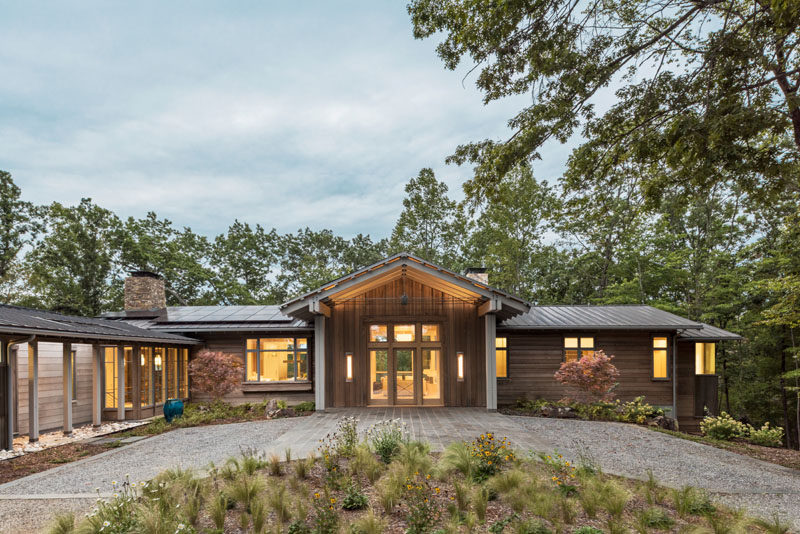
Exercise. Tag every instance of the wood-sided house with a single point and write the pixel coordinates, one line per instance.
(400, 332)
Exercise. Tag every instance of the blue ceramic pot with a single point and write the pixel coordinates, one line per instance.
(173, 408)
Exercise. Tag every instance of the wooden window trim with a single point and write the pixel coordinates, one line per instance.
(653, 377)
(251, 383)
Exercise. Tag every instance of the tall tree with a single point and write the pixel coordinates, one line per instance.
(695, 78)
(71, 268)
(179, 255)
(19, 224)
(309, 260)
(431, 225)
(246, 262)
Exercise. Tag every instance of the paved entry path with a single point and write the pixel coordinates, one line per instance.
(628, 450)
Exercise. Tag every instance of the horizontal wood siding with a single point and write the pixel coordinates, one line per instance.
(234, 343)
(462, 330)
(51, 387)
(534, 357)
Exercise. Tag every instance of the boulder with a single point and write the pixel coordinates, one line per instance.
(662, 421)
(282, 412)
(561, 412)
(272, 405)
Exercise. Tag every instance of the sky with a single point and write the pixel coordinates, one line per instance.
(286, 114)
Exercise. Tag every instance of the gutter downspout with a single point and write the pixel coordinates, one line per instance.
(675, 377)
(9, 430)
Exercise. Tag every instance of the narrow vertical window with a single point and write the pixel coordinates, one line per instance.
(349, 366)
(128, 362)
(501, 356)
(660, 358)
(460, 359)
(146, 376)
(158, 375)
(110, 372)
(184, 373)
(704, 357)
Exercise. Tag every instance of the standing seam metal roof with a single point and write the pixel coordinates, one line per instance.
(611, 317)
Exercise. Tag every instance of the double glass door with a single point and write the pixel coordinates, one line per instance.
(405, 364)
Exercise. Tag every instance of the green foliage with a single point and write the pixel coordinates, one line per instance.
(369, 523)
(588, 530)
(305, 406)
(63, 524)
(722, 427)
(458, 456)
(765, 436)
(386, 437)
(354, 498)
(489, 454)
(637, 411)
(691, 501)
(326, 520)
(423, 509)
(653, 518)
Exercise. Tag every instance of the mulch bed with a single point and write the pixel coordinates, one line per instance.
(34, 462)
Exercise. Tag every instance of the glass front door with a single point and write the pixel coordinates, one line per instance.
(404, 376)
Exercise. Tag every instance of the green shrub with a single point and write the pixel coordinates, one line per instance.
(588, 530)
(533, 526)
(423, 508)
(490, 454)
(347, 436)
(458, 457)
(595, 411)
(385, 437)
(305, 406)
(766, 436)
(691, 501)
(637, 411)
(653, 518)
(354, 498)
(722, 427)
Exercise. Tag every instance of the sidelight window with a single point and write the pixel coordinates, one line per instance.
(704, 356)
(501, 357)
(660, 358)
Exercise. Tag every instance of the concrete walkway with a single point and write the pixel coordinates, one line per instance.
(619, 449)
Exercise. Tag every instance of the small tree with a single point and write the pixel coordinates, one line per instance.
(215, 373)
(593, 376)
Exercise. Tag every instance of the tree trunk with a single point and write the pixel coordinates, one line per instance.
(787, 422)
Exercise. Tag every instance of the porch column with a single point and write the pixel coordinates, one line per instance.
(33, 391)
(97, 386)
(8, 430)
(121, 382)
(491, 362)
(319, 362)
(67, 370)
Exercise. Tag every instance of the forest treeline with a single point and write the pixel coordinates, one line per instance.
(717, 255)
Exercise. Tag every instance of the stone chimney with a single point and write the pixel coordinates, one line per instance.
(144, 291)
(478, 274)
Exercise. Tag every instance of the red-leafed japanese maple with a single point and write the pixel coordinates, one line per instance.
(215, 373)
(592, 378)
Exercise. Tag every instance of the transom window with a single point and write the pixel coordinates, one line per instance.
(277, 359)
(404, 333)
(704, 356)
(378, 333)
(660, 358)
(576, 347)
(430, 332)
(501, 356)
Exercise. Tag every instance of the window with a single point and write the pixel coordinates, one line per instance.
(404, 333)
(184, 373)
(172, 373)
(110, 361)
(74, 366)
(158, 374)
(704, 355)
(378, 333)
(660, 358)
(146, 376)
(501, 356)
(577, 347)
(277, 359)
(128, 362)
(430, 332)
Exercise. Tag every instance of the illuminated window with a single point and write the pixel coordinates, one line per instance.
(184, 373)
(577, 347)
(128, 359)
(660, 358)
(146, 376)
(158, 374)
(501, 356)
(110, 367)
(704, 356)
(348, 356)
(430, 332)
(378, 333)
(404, 333)
(277, 359)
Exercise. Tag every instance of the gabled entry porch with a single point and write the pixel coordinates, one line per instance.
(405, 332)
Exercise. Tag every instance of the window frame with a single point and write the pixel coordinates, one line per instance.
(73, 362)
(580, 348)
(504, 349)
(668, 363)
(295, 351)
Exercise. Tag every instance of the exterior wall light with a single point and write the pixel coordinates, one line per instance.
(349, 362)
(460, 356)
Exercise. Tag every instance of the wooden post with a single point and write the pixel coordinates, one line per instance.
(675, 377)
(33, 391)
(8, 430)
(491, 362)
(67, 370)
(97, 386)
(121, 382)
(319, 362)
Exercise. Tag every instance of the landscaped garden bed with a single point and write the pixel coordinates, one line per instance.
(382, 481)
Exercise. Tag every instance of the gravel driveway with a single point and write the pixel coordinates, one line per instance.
(761, 488)
(628, 450)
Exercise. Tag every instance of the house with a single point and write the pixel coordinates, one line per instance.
(399, 332)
